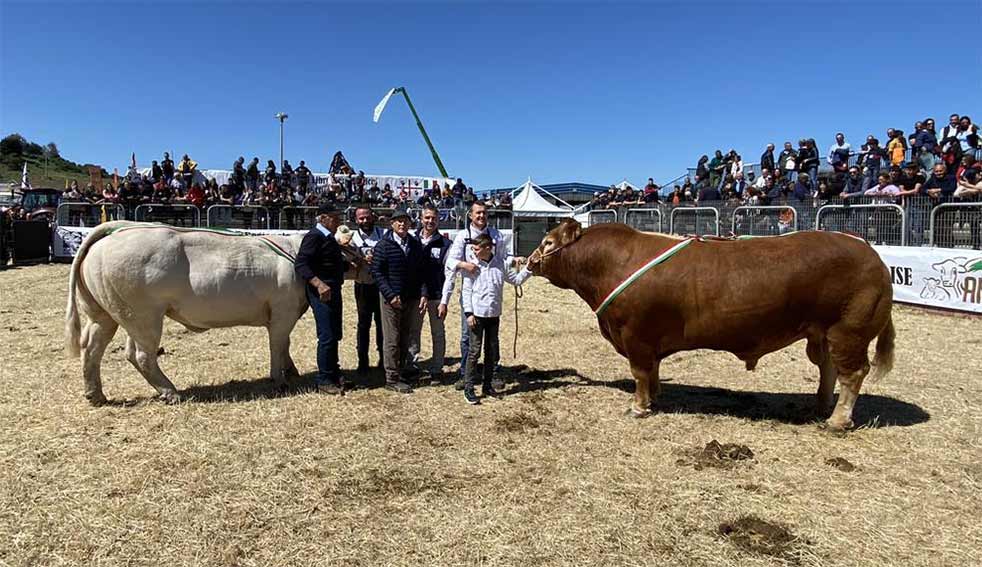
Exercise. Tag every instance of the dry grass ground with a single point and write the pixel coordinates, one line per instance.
(552, 474)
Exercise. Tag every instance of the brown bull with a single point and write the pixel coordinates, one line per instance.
(748, 297)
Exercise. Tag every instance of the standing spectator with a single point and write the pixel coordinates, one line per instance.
(366, 291)
(156, 173)
(252, 175)
(923, 146)
(397, 267)
(435, 249)
(481, 294)
(896, 147)
(739, 185)
(873, 162)
(320, 264)
(269, 176)
(788, 162)
(650, 186)
(839, 152)
(767, 159)
(239, 174)
(167, 167)
(949, 131)
(286, 173)
(458, 190)
(967, 135)
(807, 158)
(186, 168)
(303, 177)
(736, 166)
(702, 170)
(717, 167)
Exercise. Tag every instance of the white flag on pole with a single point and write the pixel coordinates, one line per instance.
(24, 182)
(381, 105)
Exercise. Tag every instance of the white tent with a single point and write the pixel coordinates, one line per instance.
(625, 184)
(528, 202)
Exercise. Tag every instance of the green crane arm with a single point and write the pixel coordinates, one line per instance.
(419, 123)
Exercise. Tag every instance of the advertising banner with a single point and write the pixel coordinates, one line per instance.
(937, 277)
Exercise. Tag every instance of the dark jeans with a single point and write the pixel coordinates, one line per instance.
(483, 333)
(327, 316)
(367, 300)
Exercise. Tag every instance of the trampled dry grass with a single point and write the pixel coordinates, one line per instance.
(553, 474)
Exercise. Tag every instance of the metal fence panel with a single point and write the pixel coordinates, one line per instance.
(647, 220)
(601, 217)
(296, 218)
(762, 220)
(957, 225)
(175, 215)
(878, 223)
(88, 214)
(699, 221)
(238, 216)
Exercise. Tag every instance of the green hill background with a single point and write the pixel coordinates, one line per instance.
(15, 150)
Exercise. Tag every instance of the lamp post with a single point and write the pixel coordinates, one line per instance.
(281, 116)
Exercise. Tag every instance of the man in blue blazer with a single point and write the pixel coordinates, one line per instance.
(321, 265)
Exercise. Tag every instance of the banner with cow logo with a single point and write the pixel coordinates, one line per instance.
(936, 277)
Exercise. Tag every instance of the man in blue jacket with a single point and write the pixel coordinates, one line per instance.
(398, 269)
(320, 264)
(435, 249)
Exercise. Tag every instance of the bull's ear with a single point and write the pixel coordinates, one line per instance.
(576, 230)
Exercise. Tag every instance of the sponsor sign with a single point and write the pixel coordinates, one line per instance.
(936, 277)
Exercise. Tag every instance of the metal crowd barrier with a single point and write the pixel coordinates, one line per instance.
(764, 220)
(700, 221)
(602, 216)
(175, 215)
(956, 225)
(238, 216)
(88, 214)
(647, 220)
(297, 218)
(502, 219)
(879, 223)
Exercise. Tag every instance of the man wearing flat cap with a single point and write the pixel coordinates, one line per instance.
(398, 268)
(321, 265)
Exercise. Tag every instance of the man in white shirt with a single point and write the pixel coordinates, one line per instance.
(366, 292)
(462, 258)
(481, 300)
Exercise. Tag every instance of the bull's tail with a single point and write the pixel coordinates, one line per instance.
(73, 323)
(883, 359)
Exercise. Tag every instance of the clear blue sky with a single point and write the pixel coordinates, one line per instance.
(559, 92)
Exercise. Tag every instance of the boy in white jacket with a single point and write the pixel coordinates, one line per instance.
(481, 295)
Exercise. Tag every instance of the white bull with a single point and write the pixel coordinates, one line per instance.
(131, 275)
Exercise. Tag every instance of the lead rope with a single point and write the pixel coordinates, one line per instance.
(519, 292)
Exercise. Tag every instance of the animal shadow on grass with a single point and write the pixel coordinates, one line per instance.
(248, 390)
(872, 410)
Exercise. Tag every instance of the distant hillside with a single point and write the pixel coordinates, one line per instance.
(15, 150)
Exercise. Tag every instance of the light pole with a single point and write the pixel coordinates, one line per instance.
(281, 116)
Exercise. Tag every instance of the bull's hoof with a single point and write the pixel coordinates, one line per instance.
(96, 400)
(170, 398)
(838, 427)
(637, 414)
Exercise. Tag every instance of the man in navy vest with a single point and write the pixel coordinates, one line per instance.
(321, 265)
(397, 266)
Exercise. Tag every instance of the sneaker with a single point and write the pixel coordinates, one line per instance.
(399, 387)
(489, 391)
(498, 384)
(331, 388)
(471, 397)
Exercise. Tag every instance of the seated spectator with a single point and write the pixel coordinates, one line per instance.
(250, 197)
(969, 180)
(226, 195)
(687, 187)
(310, 199)
(196, 195)
(853, 184)
(162, 193)
(109, 195)
(739, 185)
(939, 186)
(883, 188)
(804, 188)
(758, 183)
(506, 201)
(911, 181)
(708, 194)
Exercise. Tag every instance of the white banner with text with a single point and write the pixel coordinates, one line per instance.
(937, 277)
